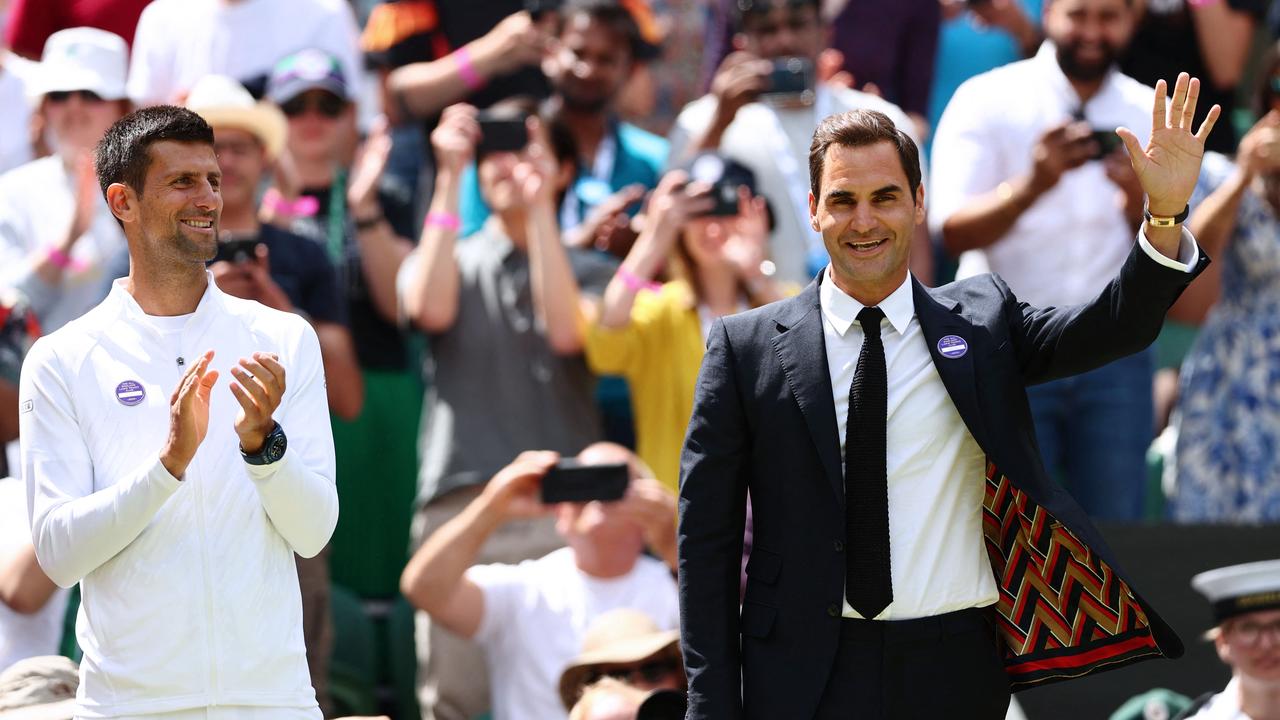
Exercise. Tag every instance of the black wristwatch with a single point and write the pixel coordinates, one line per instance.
(272, 448)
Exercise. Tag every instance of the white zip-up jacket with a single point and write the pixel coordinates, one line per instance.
(189, 590)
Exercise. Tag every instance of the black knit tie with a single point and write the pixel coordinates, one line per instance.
(866, 487)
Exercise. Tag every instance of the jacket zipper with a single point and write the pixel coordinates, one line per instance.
(204, 568)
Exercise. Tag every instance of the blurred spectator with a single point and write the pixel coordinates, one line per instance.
(596, 52)
(16, 130)
(39, 688)
(274, 267)
(1206, 38)
(608, 699)
(59, 245)
(508, 372)
(429, 54)
(890, 44)
(31, 22)
(653, 334)
(322, 195)
(773, 138)
(1156, 703)
(672, 79)
(289, 273)
(1228, 417)
(1246, 607)
(626, 645)
(977, 37)
(1031, 146)
(180, 41)
(32, 607)
(531, 618)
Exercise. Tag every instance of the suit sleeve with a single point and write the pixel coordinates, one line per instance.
(713, 492)
(299, 492)
(1125, 318)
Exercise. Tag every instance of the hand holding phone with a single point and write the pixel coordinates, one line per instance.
(505, 133)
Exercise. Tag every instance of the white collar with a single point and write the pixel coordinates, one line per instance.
(841, 310)
(1046, 59)
(211, 302)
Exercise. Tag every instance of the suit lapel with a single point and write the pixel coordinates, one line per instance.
(801, 349)
(939, 321)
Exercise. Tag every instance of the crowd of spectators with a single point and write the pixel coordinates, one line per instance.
(512, 224)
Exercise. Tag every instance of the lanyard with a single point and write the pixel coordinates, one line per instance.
(337, 225)
(794, 179)
(598, 184)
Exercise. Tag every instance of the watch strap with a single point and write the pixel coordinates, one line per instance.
(1165, 220)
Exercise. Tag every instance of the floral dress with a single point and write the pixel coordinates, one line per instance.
(1228, 451)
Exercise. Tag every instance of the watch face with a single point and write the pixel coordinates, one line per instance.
(275, 448)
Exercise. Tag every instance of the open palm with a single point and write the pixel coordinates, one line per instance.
(1169, 166)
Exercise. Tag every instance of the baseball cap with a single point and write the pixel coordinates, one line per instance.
(310, 69)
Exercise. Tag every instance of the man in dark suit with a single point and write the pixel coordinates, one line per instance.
(883, 431)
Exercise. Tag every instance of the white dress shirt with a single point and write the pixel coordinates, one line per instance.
(938, 561)
(1074, 239)
(936, 470)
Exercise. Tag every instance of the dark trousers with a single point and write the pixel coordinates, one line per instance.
(946, 666)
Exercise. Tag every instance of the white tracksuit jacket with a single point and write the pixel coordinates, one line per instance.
(190, 594)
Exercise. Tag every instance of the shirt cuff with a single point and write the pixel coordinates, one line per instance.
(1188, 252)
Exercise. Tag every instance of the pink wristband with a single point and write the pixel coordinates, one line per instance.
(62, 260)
(634, 283)
(446, 221)
(467, 71)
(305, 206)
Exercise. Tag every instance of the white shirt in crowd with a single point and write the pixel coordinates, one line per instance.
(180, 41)
(15, 112)
(1223, 706)
(40, 633)
(189, 589)
(936, 470)
(37, 202)
(780, 160)
(1066, 247)
(536, 614)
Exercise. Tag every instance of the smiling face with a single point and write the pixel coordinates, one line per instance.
(1089, 35)
(592, 65)
(867, 215)
(178, 209)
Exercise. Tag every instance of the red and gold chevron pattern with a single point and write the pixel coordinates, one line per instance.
(1063, 612)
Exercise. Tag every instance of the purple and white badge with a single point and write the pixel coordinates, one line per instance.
(952, 346)
(130, 392)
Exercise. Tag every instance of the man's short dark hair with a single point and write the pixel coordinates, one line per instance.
(124, 153)
(859, 128)
(746, 8)
(618, 18)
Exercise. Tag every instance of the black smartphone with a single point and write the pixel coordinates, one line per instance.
(539, 8)
(663, 705)
(725, 195)
(571, 481)
(1108, 142)
(505, 133)
(790, 77)
(237, 251)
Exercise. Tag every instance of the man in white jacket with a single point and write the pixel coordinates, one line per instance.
(177, 502)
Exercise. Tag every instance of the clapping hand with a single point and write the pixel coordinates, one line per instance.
(1169, 166)
(259, 387)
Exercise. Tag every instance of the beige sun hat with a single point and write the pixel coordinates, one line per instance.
(39, 688)
(618, 637)
(223, 102)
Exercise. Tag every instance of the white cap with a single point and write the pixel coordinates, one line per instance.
(1240, 589)
(223, 102)
(82, 58)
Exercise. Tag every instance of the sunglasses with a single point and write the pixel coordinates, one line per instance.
(327, 104)
(650, 673)
(61, 96)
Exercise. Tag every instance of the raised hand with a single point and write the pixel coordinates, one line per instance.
(259, 390)
(515, 491)
(1170, 165)
(454, 139)
(362, 189)
(188, 416)
(537, 172)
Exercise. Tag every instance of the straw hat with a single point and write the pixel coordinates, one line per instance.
(39, 688)
(223, 102)
(618, 637)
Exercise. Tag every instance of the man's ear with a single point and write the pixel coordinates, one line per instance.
(123, 202)
(920, 213)
(813, 213)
